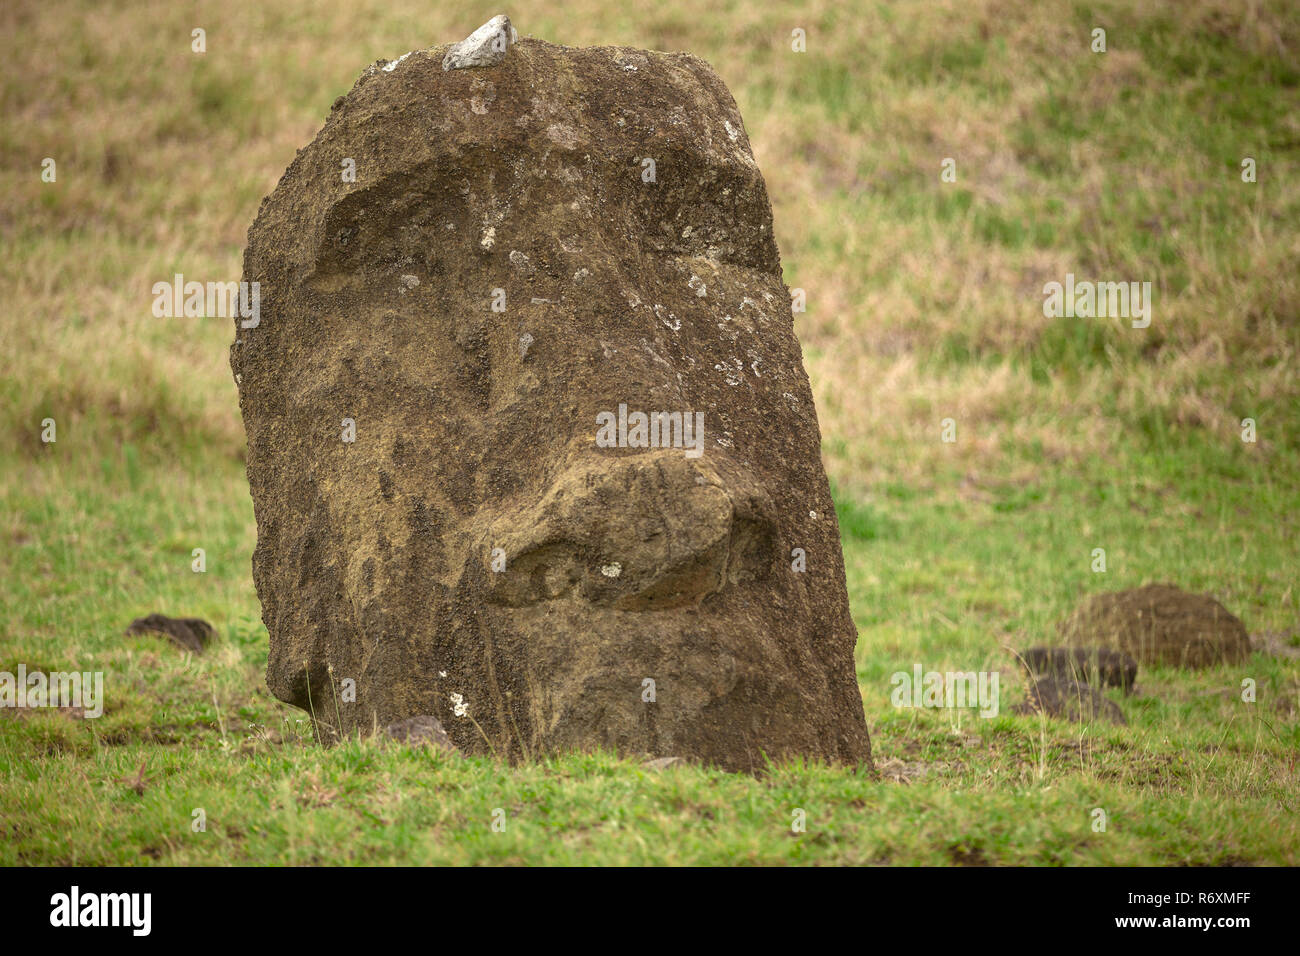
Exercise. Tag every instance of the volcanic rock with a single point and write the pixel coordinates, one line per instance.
(1068, 700)
(530, 442)
(1160, 625)
(421, 729)
(191, 633)
(1097, 666)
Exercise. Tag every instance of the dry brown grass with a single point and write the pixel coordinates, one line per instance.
(163, 156)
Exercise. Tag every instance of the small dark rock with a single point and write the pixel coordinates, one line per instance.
(1068, 700)
(191, 633)
(663, 763)
(423, 729)
(1098, 666)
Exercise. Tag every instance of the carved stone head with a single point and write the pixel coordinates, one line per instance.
(530, 442)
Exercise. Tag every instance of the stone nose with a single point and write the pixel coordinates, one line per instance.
(648, 532)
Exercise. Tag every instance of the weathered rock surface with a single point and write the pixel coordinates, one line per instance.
(1160, 624)
(1068, 700)
(1097, 666)
(663, 763)
(486, 46)
(606, 202)
(421, 730)
(190, 633)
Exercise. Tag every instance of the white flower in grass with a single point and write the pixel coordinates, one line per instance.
(459, 707)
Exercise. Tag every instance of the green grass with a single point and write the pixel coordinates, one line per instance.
(924, 303)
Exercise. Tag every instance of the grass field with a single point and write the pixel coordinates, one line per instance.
(924, 303)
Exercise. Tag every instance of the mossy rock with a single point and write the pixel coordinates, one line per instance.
(1160, 624)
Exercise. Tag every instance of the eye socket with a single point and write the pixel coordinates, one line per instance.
(704, 225)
